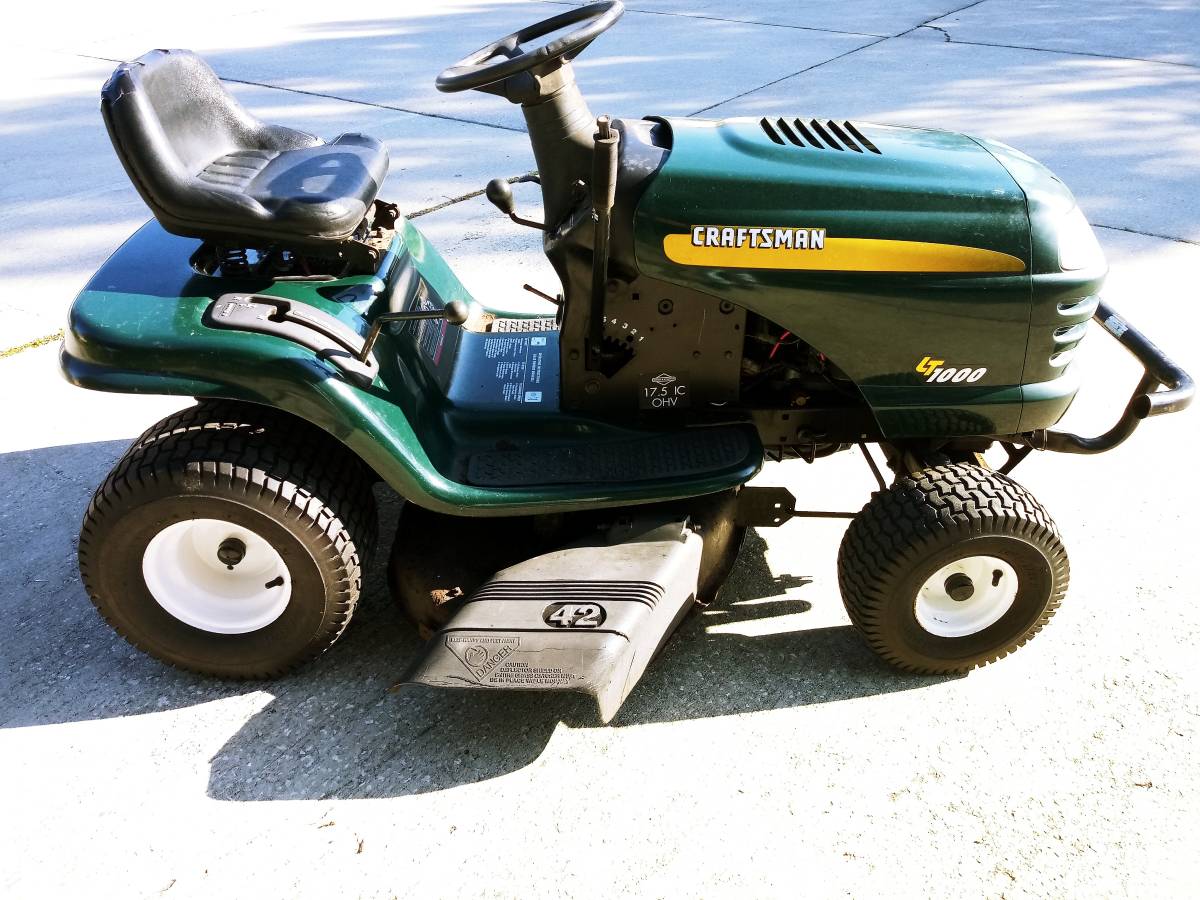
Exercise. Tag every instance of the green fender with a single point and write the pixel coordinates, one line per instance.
(137, 328)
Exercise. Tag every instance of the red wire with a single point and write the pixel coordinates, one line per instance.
(783, 337)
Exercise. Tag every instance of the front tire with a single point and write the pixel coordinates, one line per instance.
(229, 541)
(951, 568)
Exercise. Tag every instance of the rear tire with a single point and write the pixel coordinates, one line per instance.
(221, 483)
(951, 568)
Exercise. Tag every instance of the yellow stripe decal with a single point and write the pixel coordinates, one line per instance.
(845, 255)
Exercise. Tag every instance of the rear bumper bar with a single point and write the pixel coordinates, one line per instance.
(1147, 400)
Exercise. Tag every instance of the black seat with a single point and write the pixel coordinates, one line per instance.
(209, 169)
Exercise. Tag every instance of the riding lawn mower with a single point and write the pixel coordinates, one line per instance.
(732, 292)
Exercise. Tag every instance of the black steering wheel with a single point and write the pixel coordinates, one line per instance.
(507, 57)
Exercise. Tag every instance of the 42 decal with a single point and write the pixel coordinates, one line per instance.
(574, 615)
(936, 371)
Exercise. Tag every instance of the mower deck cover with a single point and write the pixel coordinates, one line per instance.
(549, 624)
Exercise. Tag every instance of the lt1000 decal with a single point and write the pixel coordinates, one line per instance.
(937, 372)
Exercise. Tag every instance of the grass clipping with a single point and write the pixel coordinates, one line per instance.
(29, 345)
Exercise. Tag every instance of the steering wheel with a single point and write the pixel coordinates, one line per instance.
(507, 57)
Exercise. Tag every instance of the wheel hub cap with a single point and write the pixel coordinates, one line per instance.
(216, 576)
(960, 587)
(231, 552)
(966, 596)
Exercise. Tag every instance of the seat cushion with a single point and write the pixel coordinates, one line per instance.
(209, 169)
(237, 169)
(320, 191)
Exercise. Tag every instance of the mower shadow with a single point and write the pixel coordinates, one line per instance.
(309, 744)
(334, 729)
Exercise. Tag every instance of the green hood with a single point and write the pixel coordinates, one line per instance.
(905, 244)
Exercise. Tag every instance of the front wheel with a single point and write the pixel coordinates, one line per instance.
(229, 540)
(951, 568)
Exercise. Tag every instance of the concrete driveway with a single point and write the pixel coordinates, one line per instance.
(767, 753)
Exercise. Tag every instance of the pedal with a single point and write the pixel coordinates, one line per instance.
(549, 624)
(653, 457)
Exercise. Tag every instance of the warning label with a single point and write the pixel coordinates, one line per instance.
(520, 674)
(491, 660)
(430, 333)
(481, 654)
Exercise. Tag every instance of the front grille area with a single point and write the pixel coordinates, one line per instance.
(1071, 328)
(817, 136)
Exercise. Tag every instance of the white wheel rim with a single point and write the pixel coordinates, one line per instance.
(188, 580)
(993, 589)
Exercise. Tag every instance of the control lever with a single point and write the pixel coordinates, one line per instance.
(557, 301)
(455, 312)
(501, 197)
(606, 142)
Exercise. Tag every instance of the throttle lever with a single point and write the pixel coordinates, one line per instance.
(500, 195)
(455, 312)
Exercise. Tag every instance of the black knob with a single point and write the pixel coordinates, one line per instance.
(456, 312)
(501, 196)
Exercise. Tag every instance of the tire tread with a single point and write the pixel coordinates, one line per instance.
(899, 525)
(240, 448)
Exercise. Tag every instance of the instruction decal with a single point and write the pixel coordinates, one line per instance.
(506, 371)
(519, 362)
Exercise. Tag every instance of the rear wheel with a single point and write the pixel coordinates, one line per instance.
(951, 568)
(229, 540)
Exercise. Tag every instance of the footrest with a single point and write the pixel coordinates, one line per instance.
(677, 454)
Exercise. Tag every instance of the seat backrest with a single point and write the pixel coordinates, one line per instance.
(169, 116)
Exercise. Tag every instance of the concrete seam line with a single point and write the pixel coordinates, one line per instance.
(708, 18)
(324, 96)
(951, 12)
(782, 78)
(1160, 62)
(400, 109)
(953, 40)
(836, 58)
(30, 345)
(1161, 237)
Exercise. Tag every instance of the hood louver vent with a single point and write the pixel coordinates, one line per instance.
(828, 136)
